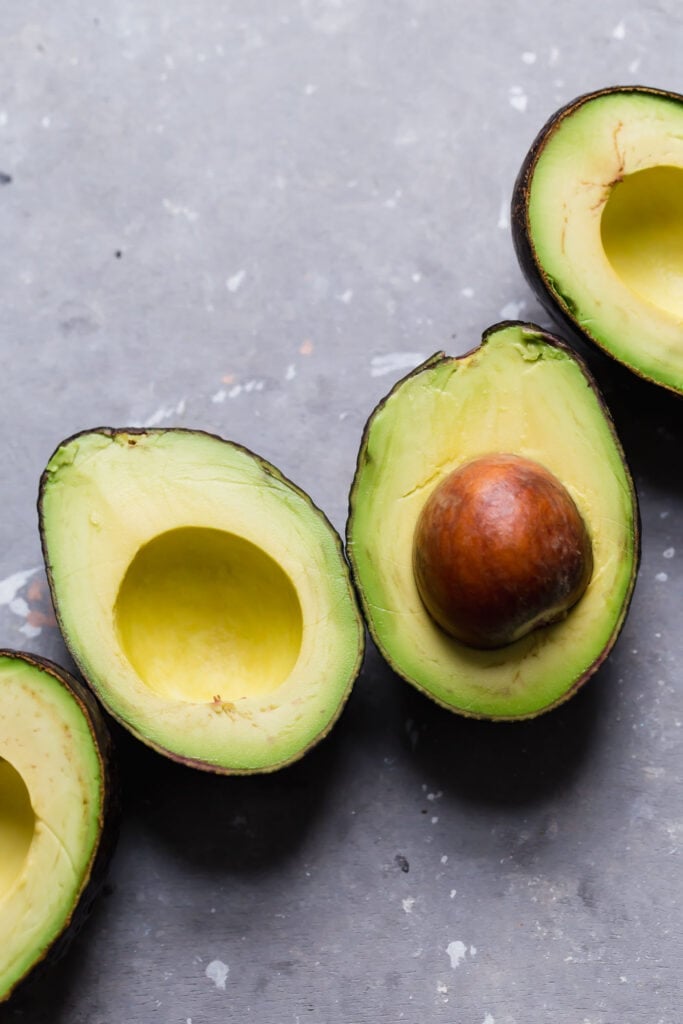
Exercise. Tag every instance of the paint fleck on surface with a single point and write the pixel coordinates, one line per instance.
(217, 972)
(393, 362)
(662, 577)
(511, 310)
(456, 952)
(408, 903)
(668, 553)
(517, 98)
(488, 1019)
(236, 281)
(619, 31)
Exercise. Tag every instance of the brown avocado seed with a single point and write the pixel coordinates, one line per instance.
(500, 549)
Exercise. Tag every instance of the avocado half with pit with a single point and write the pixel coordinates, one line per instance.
(203, 596)
(521, 398)
(597, 222)
(57, 826)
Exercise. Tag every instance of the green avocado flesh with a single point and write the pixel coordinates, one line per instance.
(51, 807)
(521, 392)
(203, 596)
(605, 223)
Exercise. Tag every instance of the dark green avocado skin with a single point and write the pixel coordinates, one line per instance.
(558, 306)
(108, 825)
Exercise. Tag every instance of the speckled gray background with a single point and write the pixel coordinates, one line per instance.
(253, 218)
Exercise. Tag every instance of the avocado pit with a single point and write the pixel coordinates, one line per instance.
(500, 549)
(204, 615)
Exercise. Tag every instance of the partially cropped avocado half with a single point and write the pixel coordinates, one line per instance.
(597, 219)
(512, 453)
(57, 828)
(204, 597)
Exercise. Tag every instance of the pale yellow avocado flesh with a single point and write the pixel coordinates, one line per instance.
(205, 615)
(518, 394)
(51, 799)
(605, 219)
(203, 596)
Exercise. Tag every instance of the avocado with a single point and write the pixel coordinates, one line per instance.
(57, 812)
(597, 219)
(522, 394)
(203, 596)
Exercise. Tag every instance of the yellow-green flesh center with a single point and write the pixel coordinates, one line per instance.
(205, 615)
(642, 234)
(17, 825)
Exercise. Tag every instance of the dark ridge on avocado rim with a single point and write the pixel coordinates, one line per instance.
(558, 343)
(108, 823)
(113, 433)
(558, 306)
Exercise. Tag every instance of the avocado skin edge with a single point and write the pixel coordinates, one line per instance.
(529, 263)
(558, 343)
(108, 824)
(271, 470)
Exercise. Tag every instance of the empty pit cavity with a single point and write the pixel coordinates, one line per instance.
(17, 825)
(206, 616)
(642, 235)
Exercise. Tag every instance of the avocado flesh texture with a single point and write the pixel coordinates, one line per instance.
(203, 596)
(518, 394)
(51, 805)
(605, 220)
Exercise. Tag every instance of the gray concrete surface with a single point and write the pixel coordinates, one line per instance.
(253, 218)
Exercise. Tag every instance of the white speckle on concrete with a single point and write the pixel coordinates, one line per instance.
(45, 121)
(668, 552)
(393, 362)
(441, 988)
(235, 282)
(517, 98)
(310, 89)
(217, 972)
(162, 413)
(235, 390)
(619, 31)
(488, 1019)
(456, 952)
(434, 819)
(416, 277)
(11, 585)
(664, 514)
(3, 118)
(290, 372)
(473, 950)
(219, 396)
(444, 858)
(435, 796)
(553, 56)
(408, 903)
(453, 893)
(504, 215)
(178, 210)
(467, 292)
(392, 202)
(346, 296)
(634, 65)
(662, 577)
(30, 631)
(19, 607)
(529, 57)
(511, 310)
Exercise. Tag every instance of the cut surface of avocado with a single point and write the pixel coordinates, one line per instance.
(520, 392)
(598, 223)
(203, 596)
(53, 800)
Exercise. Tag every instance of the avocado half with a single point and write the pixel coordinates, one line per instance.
(521, 392)
(57, 803)
(597, 221)
(203, 596)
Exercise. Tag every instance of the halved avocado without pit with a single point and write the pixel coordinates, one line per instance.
(597, 222)
(521, 399)
(205, 599)
(58, 819)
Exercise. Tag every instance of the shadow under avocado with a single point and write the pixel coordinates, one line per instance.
(506, 763)
(224, 823)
